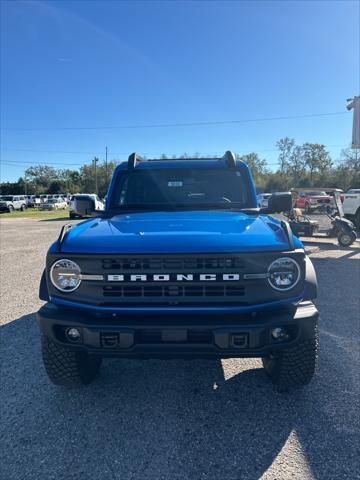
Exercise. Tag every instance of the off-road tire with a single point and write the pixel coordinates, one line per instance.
(65, 367)
(23, 208)
(293, 367)
(11, 208)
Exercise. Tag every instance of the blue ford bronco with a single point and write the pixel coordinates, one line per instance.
(182, 263)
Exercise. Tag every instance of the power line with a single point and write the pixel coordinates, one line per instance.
(184, 124)
(71, 152)
(240, 152)
(24, 162)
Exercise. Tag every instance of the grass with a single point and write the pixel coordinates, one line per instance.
(36, 214)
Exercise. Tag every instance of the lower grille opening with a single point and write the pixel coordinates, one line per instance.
(155, 336)
(109, 339)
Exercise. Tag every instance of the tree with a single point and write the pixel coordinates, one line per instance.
(57, 186)
(40, 177)
(286, 147)
(350, 159)
(316, 158)
(71, 179)
(296, 164)
(257, 165)
(348, 168)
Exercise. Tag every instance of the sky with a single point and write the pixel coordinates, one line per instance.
(77, 76)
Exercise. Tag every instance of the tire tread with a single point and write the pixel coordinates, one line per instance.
(65, 367)
(295, 366)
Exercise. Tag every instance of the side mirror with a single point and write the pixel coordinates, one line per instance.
(279, 202)
(84, 206)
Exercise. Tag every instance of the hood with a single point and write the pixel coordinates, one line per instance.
(178, 232)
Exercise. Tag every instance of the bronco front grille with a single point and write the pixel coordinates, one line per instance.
(174, 291)
(133, 280)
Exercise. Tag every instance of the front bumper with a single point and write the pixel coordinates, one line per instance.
(177, 336)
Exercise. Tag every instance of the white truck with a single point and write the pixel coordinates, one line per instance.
(73, 210)
(351, 206)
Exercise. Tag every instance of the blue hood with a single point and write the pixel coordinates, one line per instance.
(178, 232)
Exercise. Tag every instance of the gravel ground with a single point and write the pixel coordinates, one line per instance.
(176, 419)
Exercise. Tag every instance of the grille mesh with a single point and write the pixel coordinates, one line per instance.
(168, 264)
(174, 291)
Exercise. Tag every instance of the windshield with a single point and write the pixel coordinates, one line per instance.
(176, 188)
(7, 198)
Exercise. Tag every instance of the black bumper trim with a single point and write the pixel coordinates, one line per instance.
(174, 337)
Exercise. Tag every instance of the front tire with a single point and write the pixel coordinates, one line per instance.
(357, 219)
(346, 239)
(65, 367)
(293, 367)
(72, 215)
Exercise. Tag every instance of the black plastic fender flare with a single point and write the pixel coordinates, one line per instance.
(310, 283)
(43, 289)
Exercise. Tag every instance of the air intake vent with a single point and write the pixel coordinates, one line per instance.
(178, 264)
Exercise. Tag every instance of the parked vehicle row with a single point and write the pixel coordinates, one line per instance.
(9, 203)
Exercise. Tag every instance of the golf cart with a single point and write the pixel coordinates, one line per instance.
(341, 228)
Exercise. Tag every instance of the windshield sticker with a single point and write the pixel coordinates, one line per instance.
(175, 184)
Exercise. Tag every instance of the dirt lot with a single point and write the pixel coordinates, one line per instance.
(176, 419)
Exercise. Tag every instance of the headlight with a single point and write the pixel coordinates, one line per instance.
(65, 275)
(284, 274)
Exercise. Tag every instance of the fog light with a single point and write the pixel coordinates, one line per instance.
(73, 334)
(279, 334)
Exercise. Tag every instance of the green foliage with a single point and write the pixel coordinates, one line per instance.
(307, 165)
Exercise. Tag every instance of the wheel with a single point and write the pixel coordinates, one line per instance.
(23, 207)
(357, 219)
(65, 367)
(293, 367)
(346, 239)
(72, 215)
(11, 208)
(307, 208)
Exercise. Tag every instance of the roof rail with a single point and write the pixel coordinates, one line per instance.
(229, 159)
(133, 159)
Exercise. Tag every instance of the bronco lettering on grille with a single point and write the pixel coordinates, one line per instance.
(175, 277)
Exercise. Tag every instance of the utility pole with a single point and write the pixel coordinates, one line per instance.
(355, 104)
(95, 173)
